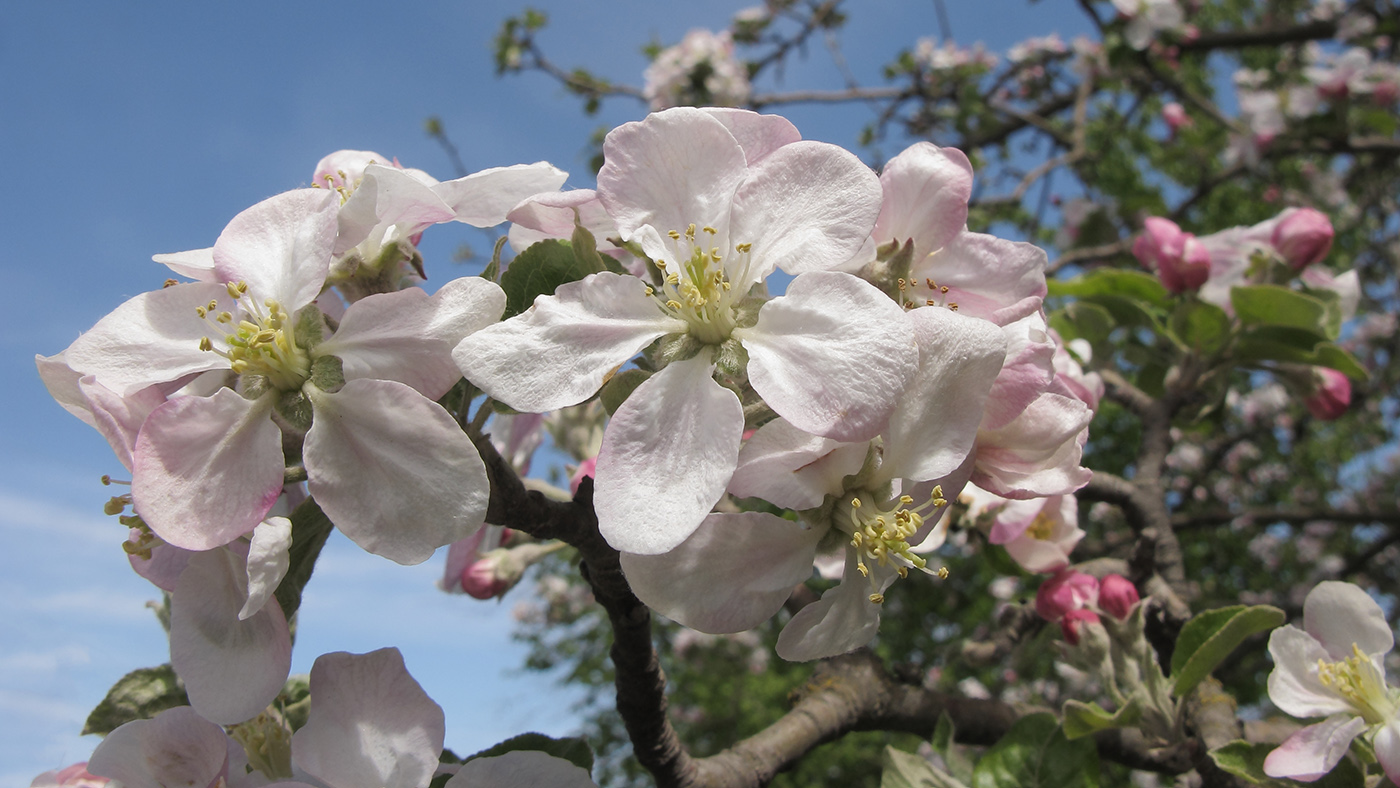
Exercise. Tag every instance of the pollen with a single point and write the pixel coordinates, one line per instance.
(260, 342)
(696, 283)
(1357, 681)
(880, 538)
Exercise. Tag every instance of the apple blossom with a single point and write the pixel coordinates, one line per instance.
(75, 776)
(1332, 394)
(1117, 595)
(1067, 590)
(1334, 667)
(1181, 262)
(1148, 18)
(1038, 533)
(1302, 236)
(718, 200)
(700, 71)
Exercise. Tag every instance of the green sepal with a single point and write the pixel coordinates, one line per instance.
(492, 271)
(732, 360)
(585, 248)
(1086, 719)
(619, 387)
(310, 529)
(310, 328)
(1036, 754)
(575, 750)
(539, 271)
(139, 695)
(1246, 761)
(294, 409)
(328, 373)
(1209, 638)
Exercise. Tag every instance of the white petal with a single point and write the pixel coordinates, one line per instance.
(520, 769)
(1341, 614)
(1293, 683)
(393, 470)
(370, 726)
(1387, 745)
(731, 575)
(62, 382)
(207, 470)
(388, 196)
(759, 135)
(409, 336)
(833, 356)
(177, 748)
(1038, 453)
(268, 560)
(281, 247)
(152, 338)
(844, 619)
(670, 170)
(794, 469)
(558, 352)
(197, 264)
(985, 275)
(483, 199)
(119, 419)
(667, 455)
(808, 206)
(935, 425)
(926, 189)
(1314, 750)
(231, 668)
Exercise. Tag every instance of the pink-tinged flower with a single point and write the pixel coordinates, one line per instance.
(1117, 595)
(1038, 533)
(718, 199)
(1175, 117)
(388, 465)
(75, 776)
(882, 500)
(1303, 236)
(176, 747)
(1148, 18)
(1074, 623)
(1334, 667)
(1332, 396)
(700, 71)
(1068, 590)
(1181, 262)
(586, 470)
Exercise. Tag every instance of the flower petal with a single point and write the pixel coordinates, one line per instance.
(558, 352)
(1387, 744)
(520, 769)
(926, 189)
(1315, 750)
(731, 575)
(1293, 684)
(207, 470)
(197, 264)
(808, 206)
(409, 336)
(792, 468)
(119, 419)
(385, 196)
(1036, 454)
(844, 619)
(935, 425)
(483, 198)
(759, 135)
(832, 356)
(667, 455)
(393, 470)
(986, 276)
(281, 247)
(371, 724)
(231, 668)
(175, 748)
(1340, 614)
(268, 559)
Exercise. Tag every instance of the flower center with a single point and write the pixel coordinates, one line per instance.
(268, 744)
(1041, 527)
(340, 182)
(1358, 681)
(880, 537)
(701, 292)
(261, 342)
(912, 294)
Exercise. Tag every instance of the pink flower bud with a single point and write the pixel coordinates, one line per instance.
(1181, 262)
(1117, 596)
(482, 580)
(1068, 590)
(1303, 236)
(1332, 396)
(1175, 116)
(585, 471)
(1074, 620)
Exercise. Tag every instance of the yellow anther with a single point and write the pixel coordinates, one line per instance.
(715, 254)
(928, 302)
(906, 500)
(211, 306)
(743, 248)
(232, 289)
(673, 279)
(675, 236)
(205, 344)
(690, 232)
(930, 284)
(674, 304)
(1041, 527)
(943, 573)
(953, 307)
(855, 503)
(902, 284)
(171, 283)
(878, 599)
(710, 229)
(650, 292)
(225, 317)
(201, 311)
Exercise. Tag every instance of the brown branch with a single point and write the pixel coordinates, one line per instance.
(1272, 37)
(828, 96)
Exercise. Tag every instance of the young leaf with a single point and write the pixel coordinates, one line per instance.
(1273, 305)
(1134, 285)
(1211, 636)
(1201, 326)
(1084, 719)
(139, 695)
(906, 770)
(944, 744)
(1036, 754)
(538, 271)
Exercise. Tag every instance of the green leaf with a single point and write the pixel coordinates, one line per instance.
(1246, 760)
(620, 386)
(1036, 754)
(539, 271)
(1133, 285)
(1273, 305)
(1211, 636)
(574, 750)
(1084, 719)
(943, 742)
(1296, 346)
(1128, 311)
(906, 770)
(1201, 326)
(1083, 320)
(139, 695)
(310, 529)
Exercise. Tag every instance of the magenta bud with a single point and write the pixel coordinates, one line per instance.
(1175, 116)
(1303, 236)
(1067, 591)
(1332, 396)
(1181, 262)
(1073, 621)
(1117, 596)
(585, 471)
(481, 580)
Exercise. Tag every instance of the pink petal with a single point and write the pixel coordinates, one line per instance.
(408, 336)
(231, 668)
(759, 135)
(176, 748)
(1315, 750)
(844, 619)
(62, 382)
(281, 247)
(370, 726)
(926, 189)
(1026, 374)
(207, 470)
(388, 196)
(794, 469)
(558, 352)
(119, 419)
(197, 264)
(731, 575)
(483, 199)
(1387, 744)
(393, 470)
(1038, 453)
(832, 356)
(667, 455)
(985, 275)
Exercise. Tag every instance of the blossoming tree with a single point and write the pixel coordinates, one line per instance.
(863, 431)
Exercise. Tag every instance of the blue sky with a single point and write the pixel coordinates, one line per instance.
(134, 130)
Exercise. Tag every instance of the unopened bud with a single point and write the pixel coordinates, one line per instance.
(1117, 596)
(1331, 397)
(1181, 262)
(1077, 624)
(1303, 236)
(1067, 591)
